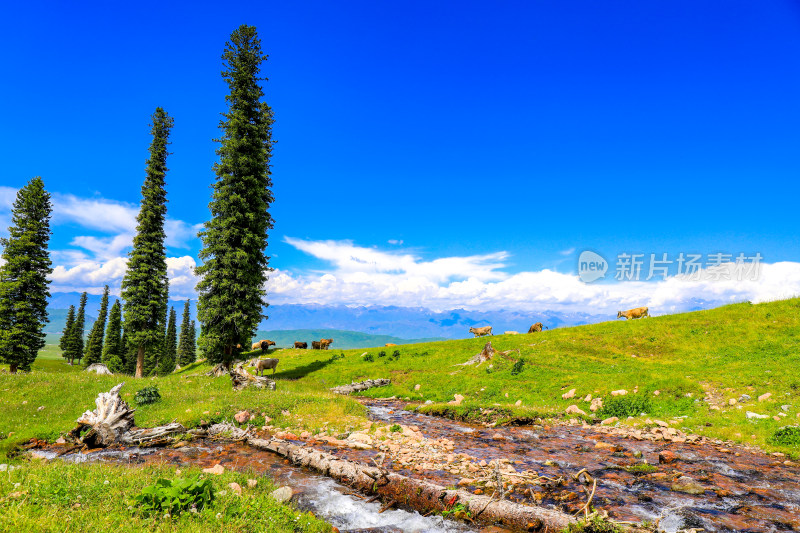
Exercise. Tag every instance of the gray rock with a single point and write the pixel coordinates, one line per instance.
(744, 398)
(3, 467)
(687, 485)
(786, 407)
(751, 414)
(282, 494)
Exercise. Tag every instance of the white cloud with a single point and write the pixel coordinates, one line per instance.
(366, 276)
(90, 276)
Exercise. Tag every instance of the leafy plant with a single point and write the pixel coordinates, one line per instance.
(786, 436)
(369, 357)
(517, 368)
(395, 428)
(175, 496)
(594, 524)
(396, 354)
(381, 354)
(625, 406)
(147, 396)
(459, 510)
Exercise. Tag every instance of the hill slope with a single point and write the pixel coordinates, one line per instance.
(695, 361)
(342, 339)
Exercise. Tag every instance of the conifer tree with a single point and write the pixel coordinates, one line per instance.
(75, 341)
(24, 287)
(167, 363)
(184, 348)
(94, 346)
(112, 346)
(145, 286)
(63, 343)
(193, 342)
(234, 270)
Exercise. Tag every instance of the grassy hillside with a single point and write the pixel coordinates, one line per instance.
(694, 360)
(342, 339)
(718, 354)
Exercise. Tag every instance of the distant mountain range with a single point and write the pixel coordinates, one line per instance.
(398, 323)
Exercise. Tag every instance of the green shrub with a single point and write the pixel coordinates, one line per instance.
(594, 524)
(625, 406)
(147, 396)
(395, 428)
(176, 496)
(381, 354)
(517, 368)
(786, 436)
(396, 354)
(369, 357)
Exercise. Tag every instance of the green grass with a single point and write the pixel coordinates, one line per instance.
(65, 497)
(736, 349)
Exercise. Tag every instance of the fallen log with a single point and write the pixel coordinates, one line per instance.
(361, 386)
(420, 495)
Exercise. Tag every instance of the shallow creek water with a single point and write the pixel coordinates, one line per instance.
(743, 491)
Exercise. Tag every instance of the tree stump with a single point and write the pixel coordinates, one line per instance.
(241, 379)
(486, 354)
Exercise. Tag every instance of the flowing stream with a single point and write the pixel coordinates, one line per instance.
(740, 491)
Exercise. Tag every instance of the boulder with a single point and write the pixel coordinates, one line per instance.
(596, 405)
(687, 485)
(100, 369)
(458, 399)
(282, 494)
(574, 410)
(764, 397)
(242, 417)
(568, 395)
(620, 392)
(751, 414)
(609, 421)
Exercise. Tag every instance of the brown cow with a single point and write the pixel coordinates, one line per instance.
(536, 328)
(315, 345)
(480, 332)
(390, 344)
(324, 344)
(639, 312)
(301, 345)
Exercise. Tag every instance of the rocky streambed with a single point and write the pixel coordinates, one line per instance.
(661, 476)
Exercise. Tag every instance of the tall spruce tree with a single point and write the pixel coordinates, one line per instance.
(63, 343)
(167, 363)
(112, 346)
(145, 286)
(192, 343)
(24, 287)
(75, 341)
(183, 344)
(94, 346)
(234, 270)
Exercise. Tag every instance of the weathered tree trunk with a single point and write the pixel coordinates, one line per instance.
(241, 379)
(140, 361)
(112, 422)
(486, 354)
(12, 368)
(361, 386)
(418, 494)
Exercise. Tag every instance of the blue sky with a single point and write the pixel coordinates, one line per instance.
(524, 132)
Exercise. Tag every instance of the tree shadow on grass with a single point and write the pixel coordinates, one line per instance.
(303, 371)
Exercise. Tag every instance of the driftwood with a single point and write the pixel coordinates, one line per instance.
(420, 495)
(361, 386)
(486, 354)
(112, 422)
(100, 369)
(241, 379)
(217, 371)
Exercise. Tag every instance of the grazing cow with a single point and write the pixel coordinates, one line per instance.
(255, 346)
(536, 328)
(639, 312)
(390, 344)
(266, 364)
(480, 332)
(301, 345)
(324, 344)
(511, 333)
(315, 345)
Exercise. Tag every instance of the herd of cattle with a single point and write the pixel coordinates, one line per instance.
(639, 312)
(264, 344)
